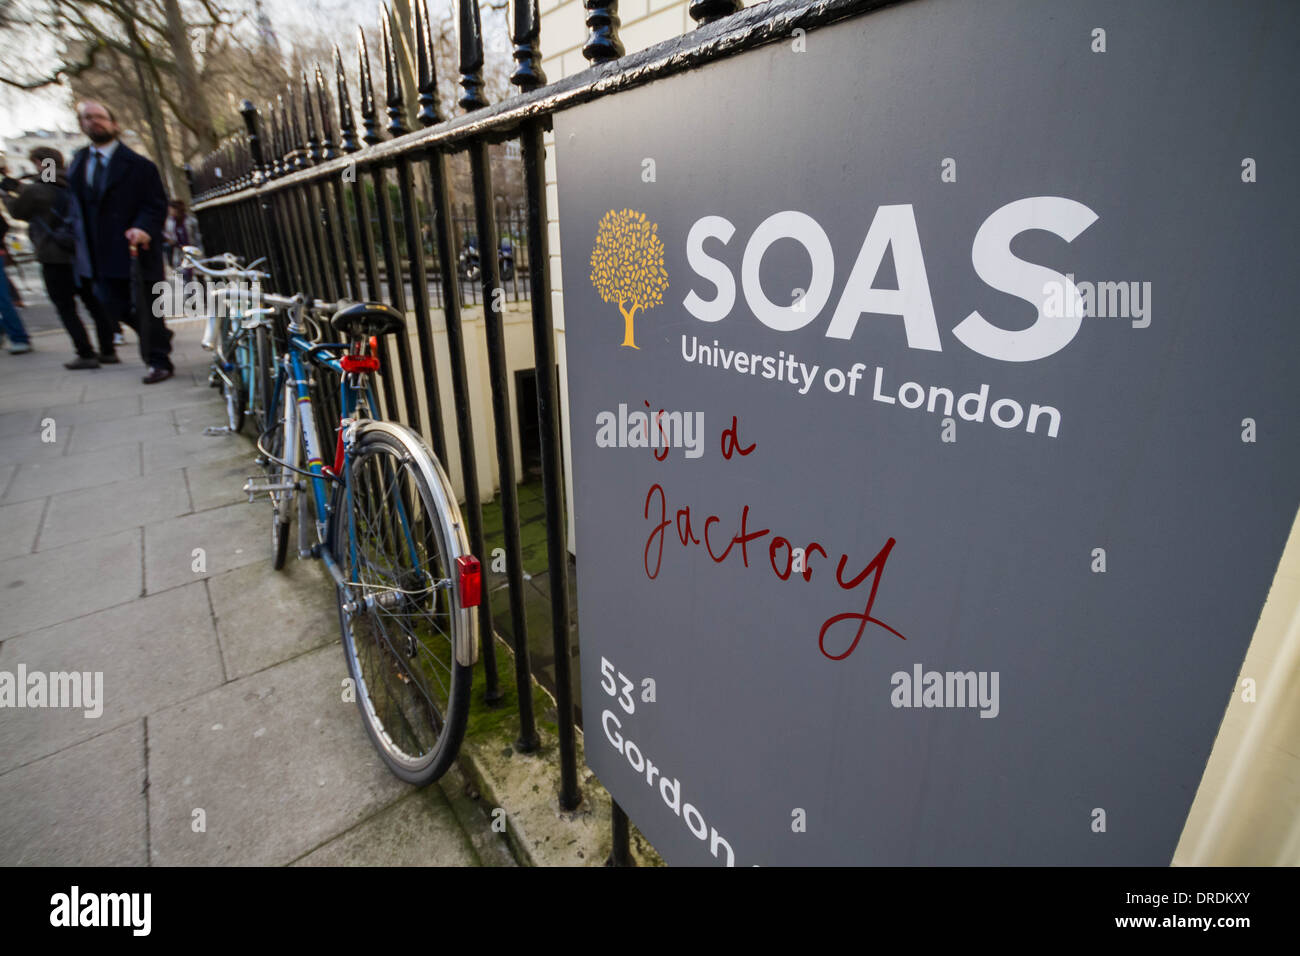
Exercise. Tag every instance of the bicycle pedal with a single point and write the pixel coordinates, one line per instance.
(213, 431)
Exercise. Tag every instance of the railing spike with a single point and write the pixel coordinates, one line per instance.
(286, 137)
(428, 71)
(273, 143)
(706, 11)
(309, 117)
(370, 134)
(302, 154)
(526, 31)
(470, 30)
(393, 92)
(347, 124)
(327, 150)
(602, 43)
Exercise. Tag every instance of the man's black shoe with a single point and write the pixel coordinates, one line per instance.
(157, 375)
(109, 360)
(79, 363)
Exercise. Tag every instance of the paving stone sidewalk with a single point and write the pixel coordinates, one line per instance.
(224, 737)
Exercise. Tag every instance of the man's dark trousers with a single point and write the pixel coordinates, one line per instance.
(155, 337)
(61, 284)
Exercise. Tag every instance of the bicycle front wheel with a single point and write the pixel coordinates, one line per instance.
(263, 376)
(397, 538)
(232, 390)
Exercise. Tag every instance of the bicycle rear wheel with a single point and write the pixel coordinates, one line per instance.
(397, 540)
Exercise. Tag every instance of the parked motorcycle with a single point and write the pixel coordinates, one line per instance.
(470, 268)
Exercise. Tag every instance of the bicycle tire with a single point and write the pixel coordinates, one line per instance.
(281, 501)
(264, 364)
(244, 360)
(412, 687)
(232, 391)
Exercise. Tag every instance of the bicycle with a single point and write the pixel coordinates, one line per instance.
(383, 518)
(244, 353)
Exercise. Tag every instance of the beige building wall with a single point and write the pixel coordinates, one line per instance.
(1247, 809)
(517, 324)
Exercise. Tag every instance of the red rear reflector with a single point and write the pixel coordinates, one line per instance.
(471, 580)
(359, 363)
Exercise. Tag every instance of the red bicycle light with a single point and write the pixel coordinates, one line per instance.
(471, 580)
(359, 363)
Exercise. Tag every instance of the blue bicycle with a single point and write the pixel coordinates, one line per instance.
(382, 516)
(243, 352)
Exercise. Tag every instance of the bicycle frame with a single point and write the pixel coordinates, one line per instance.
(355, 392)
(293, 370)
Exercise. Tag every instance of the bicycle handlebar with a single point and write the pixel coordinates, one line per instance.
(301, 301)
(226, 265)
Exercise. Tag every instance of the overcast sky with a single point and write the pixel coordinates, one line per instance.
(52, 108)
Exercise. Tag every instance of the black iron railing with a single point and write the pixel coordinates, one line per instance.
(374, 219)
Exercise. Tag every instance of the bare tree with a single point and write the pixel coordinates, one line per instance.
(167, 67)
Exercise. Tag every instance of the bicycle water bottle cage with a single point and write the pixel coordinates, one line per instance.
(368, 318)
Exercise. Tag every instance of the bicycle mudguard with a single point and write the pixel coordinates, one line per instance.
(445, 501)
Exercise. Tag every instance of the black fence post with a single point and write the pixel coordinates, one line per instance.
(269, 237)
(437, 166)
(471, 81)
(393, 283)
(528, 74)
(397, 126)
(365, 236)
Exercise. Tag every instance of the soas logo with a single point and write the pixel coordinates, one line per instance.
(627, 266)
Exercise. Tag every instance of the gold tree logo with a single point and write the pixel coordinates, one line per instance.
(627, 265)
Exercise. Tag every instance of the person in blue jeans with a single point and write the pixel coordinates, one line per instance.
(11, 323)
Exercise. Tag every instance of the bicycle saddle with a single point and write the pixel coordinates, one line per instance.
(368, 318)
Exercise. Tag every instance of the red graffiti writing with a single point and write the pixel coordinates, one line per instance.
(654, 553)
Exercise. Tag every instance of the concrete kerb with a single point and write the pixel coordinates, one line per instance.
(526, 787)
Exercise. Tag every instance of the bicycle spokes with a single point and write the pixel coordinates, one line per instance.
(402, 625)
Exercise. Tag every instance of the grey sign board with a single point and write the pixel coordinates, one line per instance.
(973, 330)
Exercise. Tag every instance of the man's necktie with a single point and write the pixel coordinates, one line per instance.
(97, 175)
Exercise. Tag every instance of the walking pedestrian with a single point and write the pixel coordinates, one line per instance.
(58, 237)
(123, 205)
(181, 230)
(11, 323)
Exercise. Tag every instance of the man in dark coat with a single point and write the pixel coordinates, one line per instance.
(123, 205)
(47, 204)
